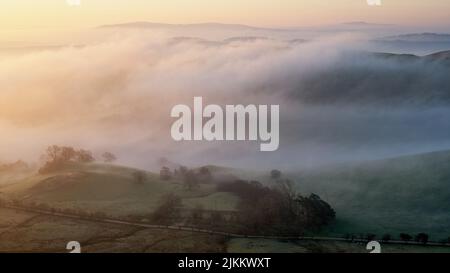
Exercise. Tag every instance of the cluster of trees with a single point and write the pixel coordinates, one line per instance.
(279, 209)
(168, 211)
(419, 238)
(55, 156)
(191, 178)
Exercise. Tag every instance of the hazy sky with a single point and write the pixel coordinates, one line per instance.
(20, 14)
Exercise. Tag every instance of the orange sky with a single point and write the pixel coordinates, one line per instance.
(20, 14)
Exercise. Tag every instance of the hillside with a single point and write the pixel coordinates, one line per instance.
(378, 79)
(404, 194)
(112, 189)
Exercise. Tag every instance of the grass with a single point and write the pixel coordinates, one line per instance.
(25, 232)
(308, 246)
(400, 195)
(113, 190)
(406, 194)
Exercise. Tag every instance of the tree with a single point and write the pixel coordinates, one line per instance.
(286, 188)
(405, 237)
(168, 210)
(84, 156)
(139, 177)
(275, 174)
(67, 153)
(190, 181)
(108, 157)
(422, 238)
(386, 237)
(197, 214)
(316, 212)
(165, 174)
(55, 156)
(205, 175)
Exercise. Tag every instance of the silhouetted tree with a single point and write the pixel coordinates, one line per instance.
(405, 237)
(316, 212)
(422, 238)
(263, 209)
(386, 237)
(275, 174)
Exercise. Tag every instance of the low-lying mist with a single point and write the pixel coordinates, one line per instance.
(337, 101)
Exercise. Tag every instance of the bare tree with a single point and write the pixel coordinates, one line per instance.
(84, 156)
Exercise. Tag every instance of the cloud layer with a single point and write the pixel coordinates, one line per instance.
(116, 94)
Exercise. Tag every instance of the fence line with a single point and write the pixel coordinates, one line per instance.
(213, 232)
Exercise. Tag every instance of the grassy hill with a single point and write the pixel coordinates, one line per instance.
(404, 194)
(112, 189)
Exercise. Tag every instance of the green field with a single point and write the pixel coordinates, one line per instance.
(400, 195)
(113, 190)
(406, 194)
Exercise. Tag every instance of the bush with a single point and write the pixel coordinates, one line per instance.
(168, 211)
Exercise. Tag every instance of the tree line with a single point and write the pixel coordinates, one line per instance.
(56, 156)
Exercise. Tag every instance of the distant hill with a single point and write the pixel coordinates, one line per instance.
(199, 26)
(404, 194)
(365, 24)
(378, 79)
(418, 43)
(439, 56)
(419, 37)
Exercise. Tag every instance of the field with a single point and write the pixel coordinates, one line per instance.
(28, 232)
(113, 190)
(308, 246)
(399, 195)
(405, 194)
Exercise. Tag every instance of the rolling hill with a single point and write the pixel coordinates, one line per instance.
(113, 190)
(378, 79)
(403, 194)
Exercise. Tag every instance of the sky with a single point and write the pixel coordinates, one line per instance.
(32, 14)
